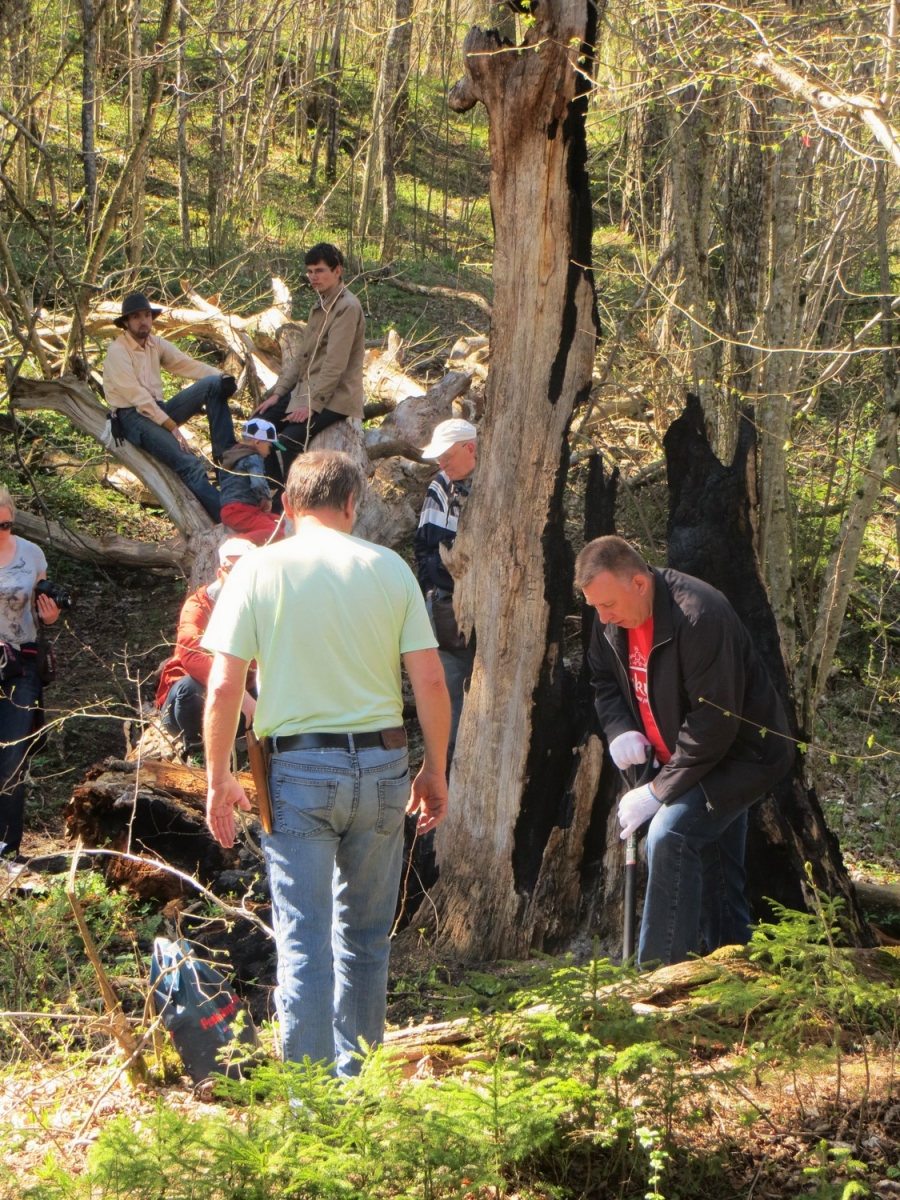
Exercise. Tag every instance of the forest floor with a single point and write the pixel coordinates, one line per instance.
(811, 1127)
(729, 1110)
(794, 1126)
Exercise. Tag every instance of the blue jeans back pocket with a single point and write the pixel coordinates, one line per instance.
(303, 806)
(393, 797)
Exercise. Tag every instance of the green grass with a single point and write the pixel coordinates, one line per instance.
(560, 1082)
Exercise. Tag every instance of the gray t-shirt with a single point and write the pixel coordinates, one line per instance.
(17, 580)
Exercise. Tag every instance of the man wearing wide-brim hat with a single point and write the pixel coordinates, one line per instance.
(132, 381)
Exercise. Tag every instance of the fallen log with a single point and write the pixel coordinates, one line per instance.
(383, 375)
(664, 992)
(155, 809)
(878, 895)
(109, 548)
(384, 515)
(205, 321)
(444, 293)
(75, 400)
(413, 421)
(381, 443)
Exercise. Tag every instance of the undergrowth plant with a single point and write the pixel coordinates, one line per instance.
(43, 967)
(562, 1091)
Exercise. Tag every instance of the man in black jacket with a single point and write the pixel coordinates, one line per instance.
(676, 676)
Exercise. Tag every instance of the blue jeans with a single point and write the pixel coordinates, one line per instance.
(334, 860)
(159, 442)
(18, 700)
(183, 712)
(695, 888)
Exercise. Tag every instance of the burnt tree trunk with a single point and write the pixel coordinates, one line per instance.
(506, 856)
(711, 536)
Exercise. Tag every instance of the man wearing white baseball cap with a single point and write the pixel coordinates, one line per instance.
(181, 694)
(454, 445)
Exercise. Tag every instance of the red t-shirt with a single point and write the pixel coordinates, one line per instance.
(640, 641)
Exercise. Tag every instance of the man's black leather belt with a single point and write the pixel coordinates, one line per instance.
(387, 738)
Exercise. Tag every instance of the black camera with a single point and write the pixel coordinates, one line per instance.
(60, 598)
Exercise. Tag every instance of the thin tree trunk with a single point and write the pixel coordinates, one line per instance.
(135, 247)
(497, 849)
(119, 192)
(332, 102)
(305, 83)
(216, 202)
(745, 242)
(88, 99)
(780, 333)
(688, 190)
(396, 71)
(182, 84)
(841, 569)
(26, 334)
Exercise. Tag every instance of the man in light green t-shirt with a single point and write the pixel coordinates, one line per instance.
(328, 619)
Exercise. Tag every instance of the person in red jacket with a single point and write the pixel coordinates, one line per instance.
(181, 694)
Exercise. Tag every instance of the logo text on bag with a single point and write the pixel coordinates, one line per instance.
(220, 1014)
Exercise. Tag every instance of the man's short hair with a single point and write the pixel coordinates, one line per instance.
(323, 479)
(612, 554)
(324, 252)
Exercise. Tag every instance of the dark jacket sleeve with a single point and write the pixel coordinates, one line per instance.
(712, 675)
(611, 701)
(427, 549)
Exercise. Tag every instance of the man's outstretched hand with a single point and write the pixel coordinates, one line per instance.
(221, 801)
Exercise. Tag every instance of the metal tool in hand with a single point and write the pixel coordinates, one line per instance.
(629, 916)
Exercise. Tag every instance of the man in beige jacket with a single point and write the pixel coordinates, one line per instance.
(322, 384)
(132, 382)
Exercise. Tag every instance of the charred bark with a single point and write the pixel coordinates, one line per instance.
(711, 536)
(513, 577)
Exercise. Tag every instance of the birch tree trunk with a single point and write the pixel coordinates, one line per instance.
(497, 889)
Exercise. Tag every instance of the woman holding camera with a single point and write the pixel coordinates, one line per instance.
(22, 566)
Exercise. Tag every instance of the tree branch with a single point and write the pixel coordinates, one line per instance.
(868, 111)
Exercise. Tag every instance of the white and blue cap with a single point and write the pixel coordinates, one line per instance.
(447, 434)
(261, 431)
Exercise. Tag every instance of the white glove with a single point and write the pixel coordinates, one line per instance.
(629, 749)
(636, 807)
